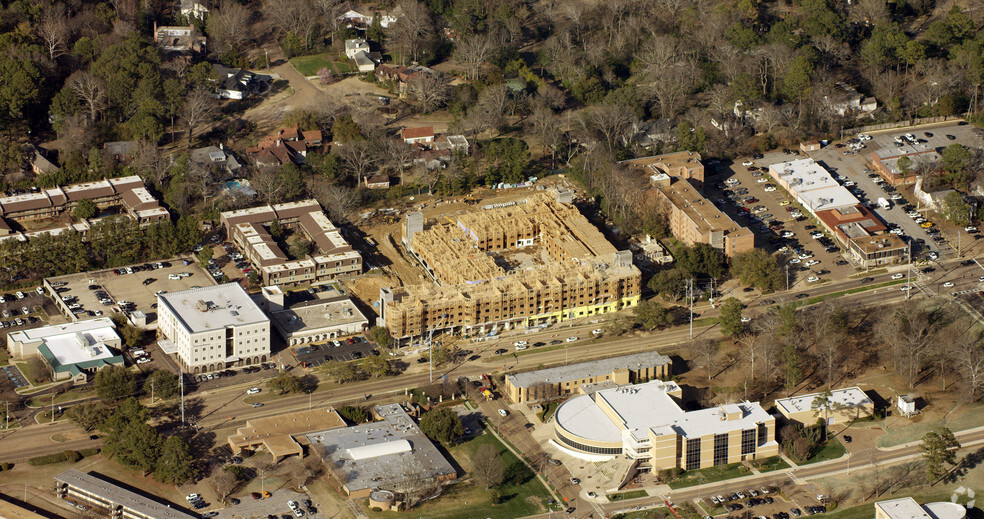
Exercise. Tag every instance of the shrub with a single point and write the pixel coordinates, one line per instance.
(6, 466)
(47, 460)
(89, 452)
(72, 456)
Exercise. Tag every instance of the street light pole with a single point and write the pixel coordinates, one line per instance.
(309, 399)
(787, 278)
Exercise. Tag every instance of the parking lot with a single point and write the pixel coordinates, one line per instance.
(314, 355)
(854, 167)
(749, 196)
(766, 501)
(102, 292)
(21, 310)
(273, 506)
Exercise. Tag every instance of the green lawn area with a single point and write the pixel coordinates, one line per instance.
(547, 410)
(310, 65)
(710, 475)
(523, 493)
(73, 394)
(831, 451)
(342, 67)
(627, 495)
(770, 464)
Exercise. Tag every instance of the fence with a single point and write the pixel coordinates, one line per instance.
(902, 124)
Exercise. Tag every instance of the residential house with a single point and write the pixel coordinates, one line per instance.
(423, 135)
(233, 83)
(218, 157)
(400, 76)
(364, 61)
(355, 46)
(377, 182)
(40, 164)
(356, 20)
(285, 145)
(193, 9)
(120, 151)
(179, 39)
(847, 100)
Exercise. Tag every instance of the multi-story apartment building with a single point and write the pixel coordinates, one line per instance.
(332, 257)
(645, 422)
(694, 219)
(545, 384)
(682, 164)
(112, 500)
(214, 327)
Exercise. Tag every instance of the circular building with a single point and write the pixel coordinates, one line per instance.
(945, 510)
(582, 428)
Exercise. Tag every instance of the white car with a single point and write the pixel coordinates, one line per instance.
(812, 263)
(896, 231)
(787, 234)
(571, 339)
(795, 214)
(143, 360)
(521, 347)
(805, 255)
(769, 189)
(173, 276)
(746, 319)
(896, 196)
(948, 284)
(252, 391)
(762, 180)
(898, 276)
(20, 295)
(597, 331)
(795, 260)
(812, 279)
(747, 163)
(503, 412)
(849, 183)
(517, 344)
(732, 181)
(967, 229)
(980, 279)
(192, 497)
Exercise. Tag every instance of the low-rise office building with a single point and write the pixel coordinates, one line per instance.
(278, 435)
(908, 508)
(645, 423)
(73, 351)
(885, 162)
(844, 405)
(111, 499)
(695, 219)
(383, 454)
(544, 384)
(330, 315)
(213, 328)
(681, 164)
(12, 510)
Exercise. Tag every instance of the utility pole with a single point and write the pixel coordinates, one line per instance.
(151, 391)
(52, 407)
(181, 368)
(690, 295)
(908, 271)
(6, 415)
(787, 278)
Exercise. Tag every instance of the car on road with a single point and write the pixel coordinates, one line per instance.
(572, 338)
(503, 412)
(554, 461)
(898, 276)
(258, 404)
(520, 343)
(252, 391)
(576, 481)
(948, 284)
(474, 358)
(520, 347)
(501, 351)
(597, 331)
(802, 296)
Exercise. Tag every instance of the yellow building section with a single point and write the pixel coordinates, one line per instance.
(584, 311)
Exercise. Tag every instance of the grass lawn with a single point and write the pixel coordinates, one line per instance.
(710, 475)
(310, 65)
(831, 451)
(627, 495)
(343, 67)
(770, 464)
(548, 410)
(72, 394)
(523, 493)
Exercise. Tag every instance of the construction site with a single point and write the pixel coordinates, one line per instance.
(520, 263)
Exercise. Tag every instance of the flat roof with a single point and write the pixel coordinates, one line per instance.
(120, 496)
(803, 174)
(318, 314)
(902, 508)
(926, 157)
(9, 510)
(666, 161)
(213, 307)
(830, 197)
(276, 432)
(377, 454)
(589, 369)
(844, 397)
(880, 242)
(644, 407)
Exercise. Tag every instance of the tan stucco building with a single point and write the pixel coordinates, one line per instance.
(645, 423)
(279, 434)
(846, 404)
(544, 384)
(680, 164)
(694, 219)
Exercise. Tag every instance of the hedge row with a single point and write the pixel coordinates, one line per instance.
(68, 455)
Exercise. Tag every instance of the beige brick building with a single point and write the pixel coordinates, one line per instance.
(694, 219)
(645, 423)
(846, 404)
(681, 164)
(544, 384)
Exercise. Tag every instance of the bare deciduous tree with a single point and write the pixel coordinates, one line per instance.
(968, 354)
(199, 109)
(489, 112)
(338, 201)
(908, 331)
(487, 466)
(229, 25)
(54, 30)
(295, 16)
(472, 52)
(430, 90)
(360, 157)
(412, 32)
(75, 133)
(705, 348)
(152, 162)
(608, 121)
(90, 89)
(223, 483)
(544, 124)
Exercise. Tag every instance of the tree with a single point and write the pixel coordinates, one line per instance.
(791, 360)
(381, 336)
(299, 248)
(822, 403)
(939, 450)
(90, 90)
(651, 315)
(114, 383)
(224, 482)
(413, 30)
(85, 209)
(285, 383)
(904, 164)
(291, 17)
(908, 331)
(163, 383)
(360, 156)
(199, 109)
(955, 158)
(228, 25)
(969, 357)
(136, 445)
(54, 31)
(354, 414)
(705, 348)
(759, 269)
(730, 320)
(956, 210)
(19, 80)
(175, 464)
(472, 52)
(487, 466)
(88, 414)
(325, 76)
(204, 256)
(442, 425)
(340, 371)
(430, 90)
(669, 283)
(375, 365)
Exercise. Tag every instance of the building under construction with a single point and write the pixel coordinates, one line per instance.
(524, 263)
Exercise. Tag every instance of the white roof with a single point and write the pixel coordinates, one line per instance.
(644, 407)
(214, 307)
(902, 508)
(845, 397)
(375, 450)
(827, 198)
(76, 342)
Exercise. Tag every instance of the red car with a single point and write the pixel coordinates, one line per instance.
(752, 201)
(255, 495)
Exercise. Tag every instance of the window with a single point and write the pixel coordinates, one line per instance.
(588, 448)
(721, 449)
(693, 454)
(747, 441)
(763, 433)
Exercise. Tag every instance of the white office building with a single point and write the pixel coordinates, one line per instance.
(213, 328)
